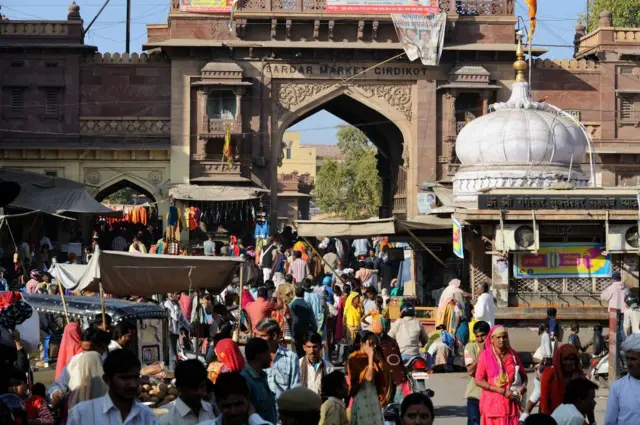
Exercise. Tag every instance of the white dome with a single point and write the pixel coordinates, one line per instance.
(521, 132)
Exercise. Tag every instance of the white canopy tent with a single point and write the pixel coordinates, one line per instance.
(123, 273)
(368, 228)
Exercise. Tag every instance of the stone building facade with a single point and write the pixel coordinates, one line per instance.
(161, 117)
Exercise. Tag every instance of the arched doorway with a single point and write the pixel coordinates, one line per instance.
(125, 191)
(381, 112)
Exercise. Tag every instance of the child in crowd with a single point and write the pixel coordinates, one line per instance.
(36, 404)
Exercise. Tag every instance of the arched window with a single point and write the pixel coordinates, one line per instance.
(221, 105)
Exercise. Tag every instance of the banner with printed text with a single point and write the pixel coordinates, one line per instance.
(563, 260)
(458, 248)
(421, 36)
(383, 6)
(206, 6)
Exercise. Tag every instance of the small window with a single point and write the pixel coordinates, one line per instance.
(221, 105)
(626, 108)
(288, 153)
(51, 173)
(17, 100)
(51, 102)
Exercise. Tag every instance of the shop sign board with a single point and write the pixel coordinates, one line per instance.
(559, 260)
(557, 202)
(206, 6)
(426, 7)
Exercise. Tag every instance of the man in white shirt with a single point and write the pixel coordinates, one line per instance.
(631, 318)
(312, 367)
(485, 308)
(45, 241)
(408, 332)
(123, 334)
(233, 399)
(579, 401)
(189, 408)
(623, 407)
(177, 322)
(119, 406)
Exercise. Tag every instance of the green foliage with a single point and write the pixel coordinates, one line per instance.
(625, 13)
(123, 196)
(351, 189)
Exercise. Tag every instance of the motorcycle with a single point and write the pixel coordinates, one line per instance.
(418, 372)
(391, 412)
(599, 369)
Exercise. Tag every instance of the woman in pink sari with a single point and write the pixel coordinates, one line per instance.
(503, 380)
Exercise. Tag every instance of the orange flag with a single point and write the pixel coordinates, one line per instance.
(533, 9)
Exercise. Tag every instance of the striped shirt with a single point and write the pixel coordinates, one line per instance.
(101, 411)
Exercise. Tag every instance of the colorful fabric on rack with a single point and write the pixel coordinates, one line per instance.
(191, 218)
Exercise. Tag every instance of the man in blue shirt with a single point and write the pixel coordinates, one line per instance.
(304, 320)
(258, 356)
(284, 372)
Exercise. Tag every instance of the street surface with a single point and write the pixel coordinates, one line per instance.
(451, 406)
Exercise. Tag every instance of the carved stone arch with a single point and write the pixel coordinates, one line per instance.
(126, 180)
(393, 101)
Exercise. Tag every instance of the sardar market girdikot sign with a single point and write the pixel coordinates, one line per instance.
(345, 71)
(557, 202)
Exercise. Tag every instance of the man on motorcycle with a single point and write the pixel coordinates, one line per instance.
(408, 332)
(632, 315)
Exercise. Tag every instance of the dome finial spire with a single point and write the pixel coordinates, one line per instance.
(520, 65)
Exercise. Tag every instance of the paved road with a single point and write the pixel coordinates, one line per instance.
(451, 405)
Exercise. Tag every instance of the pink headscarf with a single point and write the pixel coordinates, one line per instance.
(495, 369)
(70, 345)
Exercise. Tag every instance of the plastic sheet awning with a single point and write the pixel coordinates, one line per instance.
(53, 195)
(368, 228)
(124, 273)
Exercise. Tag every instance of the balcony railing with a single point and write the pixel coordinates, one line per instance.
(453, 7)
(219, 126)
(217, 165)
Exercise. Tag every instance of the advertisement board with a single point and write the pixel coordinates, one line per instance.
(458, 248)
(426, 7)
(563, 260)
(206, 6)
(421, 36)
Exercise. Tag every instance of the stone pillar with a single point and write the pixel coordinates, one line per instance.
(606, 19)
(580, 32)
(453, 125)
(486, 94)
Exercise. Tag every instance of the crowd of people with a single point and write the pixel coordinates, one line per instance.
(321, 349)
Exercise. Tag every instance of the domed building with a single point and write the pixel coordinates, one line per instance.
(522, 144)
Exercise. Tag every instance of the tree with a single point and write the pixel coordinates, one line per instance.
(625, 13)
(352, 188)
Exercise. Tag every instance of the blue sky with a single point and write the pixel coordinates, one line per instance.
(556, 22)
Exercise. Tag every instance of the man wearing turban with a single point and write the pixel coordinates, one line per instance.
(623, 406)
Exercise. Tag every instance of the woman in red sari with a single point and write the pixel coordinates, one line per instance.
(70, 345)
(503, 380)
(553, 381)
(230, 359)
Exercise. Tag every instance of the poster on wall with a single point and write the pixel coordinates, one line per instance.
(458, 249)
(426, 202)
(563, 260)
(383, 6)
(206, 6)
(421, 36)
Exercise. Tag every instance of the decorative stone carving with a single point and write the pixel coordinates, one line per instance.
(288, 25)
(360, 30)
(34, 28)
(93, 177)
(125, 126)
(241, 27)
(314, 5)
(374, 31)
(290, 95)
(332, 24)
(274, 25)
(155, 177)
(397, 96)
(316, 29)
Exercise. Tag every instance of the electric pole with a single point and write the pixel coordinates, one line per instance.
(128, 38)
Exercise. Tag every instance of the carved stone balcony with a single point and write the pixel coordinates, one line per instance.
(214, 168)
(217, 127)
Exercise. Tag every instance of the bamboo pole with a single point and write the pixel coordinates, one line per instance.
(422, 244)
(236, 333)
(64, 302)
(102, 308)
(323, 260)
